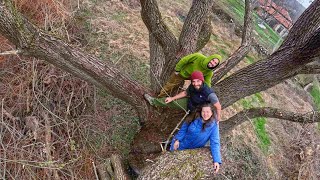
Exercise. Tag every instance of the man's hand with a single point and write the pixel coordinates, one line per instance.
(168, 100)
(176, 145)
(216, 167)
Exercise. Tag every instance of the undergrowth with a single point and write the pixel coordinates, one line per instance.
(315, 93)
(256, 100)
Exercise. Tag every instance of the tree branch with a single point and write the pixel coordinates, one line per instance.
(268, 112)
(310, 69)
(281, 65)
(301, 30)
(205, 33)
(13, 52)
(189, 36)
(243, 50)
(33, 42)
(151, 17)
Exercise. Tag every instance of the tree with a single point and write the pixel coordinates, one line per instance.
(300, 48)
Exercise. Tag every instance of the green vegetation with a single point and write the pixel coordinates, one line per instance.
(267, 37)
(315, 93)
(256, 100)
(249, 59)
(262, 134)
(119, 16)
(223, 53)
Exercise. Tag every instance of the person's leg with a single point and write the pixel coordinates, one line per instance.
(173, 82)
(177, 104)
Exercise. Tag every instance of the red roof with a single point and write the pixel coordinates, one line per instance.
(278, 12)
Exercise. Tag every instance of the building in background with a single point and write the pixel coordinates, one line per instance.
(276, 16)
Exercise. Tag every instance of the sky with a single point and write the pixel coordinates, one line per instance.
(305, 3)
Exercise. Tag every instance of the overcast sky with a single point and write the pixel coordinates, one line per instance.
(305, 3)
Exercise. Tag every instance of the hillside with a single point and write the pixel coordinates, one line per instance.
(88, 125)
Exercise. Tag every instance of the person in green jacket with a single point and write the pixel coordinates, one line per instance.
(189, 64)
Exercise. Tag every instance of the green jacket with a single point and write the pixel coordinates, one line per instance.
(196, 62)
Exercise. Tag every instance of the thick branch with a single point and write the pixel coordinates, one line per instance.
(242, 51)
(301, 30)
(33, 42)
(268, 112)
(205, 33)
(310, 69)
(151, 16)
(192, 27)
(156, 63)
(190, 33)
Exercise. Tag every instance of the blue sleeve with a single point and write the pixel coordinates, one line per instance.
(215, 144)
(182, 132)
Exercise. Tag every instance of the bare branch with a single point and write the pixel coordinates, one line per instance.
(12, 52)
(188, 39)
(268, 112)
(193, 25)
(242, 51)
(205, 33)
(151, 16)
(302, 29)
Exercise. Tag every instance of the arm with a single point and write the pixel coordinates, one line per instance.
(180, 135)
(207, 78)
(216, 104)
(185, 60)
(215, 147)
(178, 96)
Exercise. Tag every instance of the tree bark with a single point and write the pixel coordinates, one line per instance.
(157, 59)
(282, 64)
(268, 112)
(243, 50)
(190, 33)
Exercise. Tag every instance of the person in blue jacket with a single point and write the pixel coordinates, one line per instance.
(195, 134)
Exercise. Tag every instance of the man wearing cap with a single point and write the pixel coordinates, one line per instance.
(189, 64)
(198, 93)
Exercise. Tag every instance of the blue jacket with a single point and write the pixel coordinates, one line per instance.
(191, 136)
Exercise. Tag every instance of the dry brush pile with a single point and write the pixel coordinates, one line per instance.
(48, 117)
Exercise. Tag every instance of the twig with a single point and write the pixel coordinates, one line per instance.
(95, 170)
(171, 134)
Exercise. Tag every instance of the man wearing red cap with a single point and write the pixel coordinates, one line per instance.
(198, 93)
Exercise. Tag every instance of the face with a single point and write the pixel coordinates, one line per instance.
(206, 113)
(197, 83)
(213, 63)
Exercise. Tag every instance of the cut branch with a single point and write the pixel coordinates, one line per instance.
(243, 50)
(268, 112)
(13, 52)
